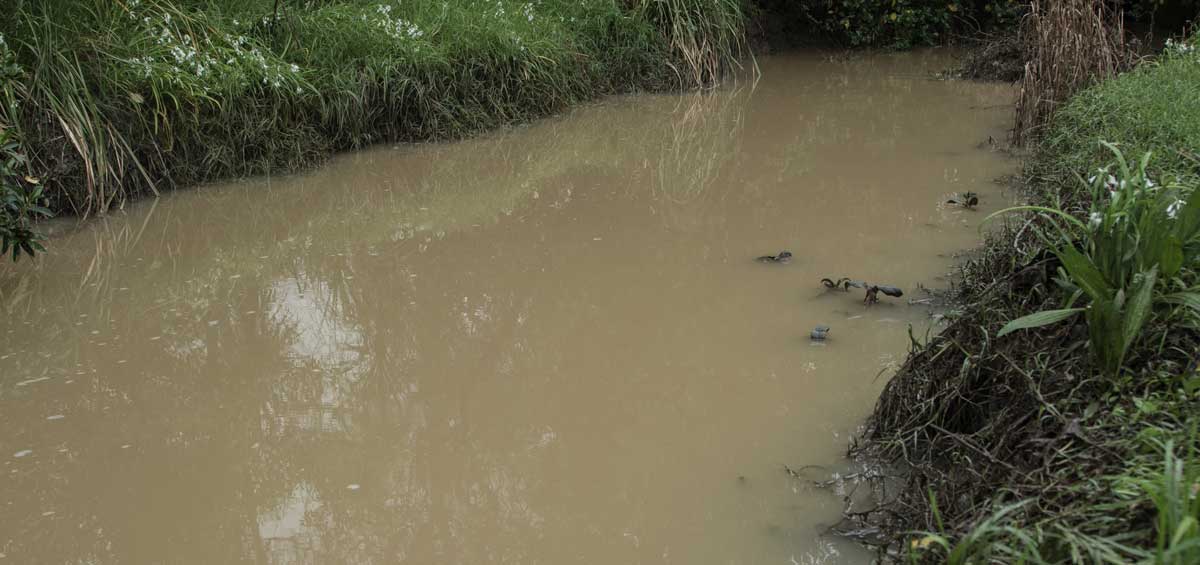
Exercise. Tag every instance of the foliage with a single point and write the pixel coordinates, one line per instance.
(1102, 463)
(18, 204)
(1136, 232)
(895, 23)
(1159, 478)
(1172, 489)
(19, 193)
(175, 92)
(706, 34)
(1146, 110)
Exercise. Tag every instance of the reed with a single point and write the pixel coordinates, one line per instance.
(706, 35)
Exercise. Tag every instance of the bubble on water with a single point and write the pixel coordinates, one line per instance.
(353, 486)
(23, 453)
(48, 513)
(213, 322)
(55, 417)
(156, 338)
(126, 446)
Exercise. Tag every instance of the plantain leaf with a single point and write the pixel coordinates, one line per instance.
(1085, 274)
(1138, 308)
(1037, 320)
(1171, 259)
(1188, 224)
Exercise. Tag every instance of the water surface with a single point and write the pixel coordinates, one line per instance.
(544, 345)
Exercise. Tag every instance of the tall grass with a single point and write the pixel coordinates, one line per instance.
(1069, 44)
(708, 35)
(121, 97)
(1149, 109)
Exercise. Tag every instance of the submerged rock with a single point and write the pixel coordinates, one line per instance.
(819, 333)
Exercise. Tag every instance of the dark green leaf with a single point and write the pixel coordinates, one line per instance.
(1084, 274)
(1171, 259)
(1138, 308)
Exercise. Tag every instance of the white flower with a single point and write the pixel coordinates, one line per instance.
(1094, 220)
(1174, 208)
(295, 69)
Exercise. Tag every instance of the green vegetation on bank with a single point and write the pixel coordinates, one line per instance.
(107, 99)
(1056, 418)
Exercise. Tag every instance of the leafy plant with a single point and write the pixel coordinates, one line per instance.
(1173, 491)
(1137, 235)
(992, 540)
(18, 205)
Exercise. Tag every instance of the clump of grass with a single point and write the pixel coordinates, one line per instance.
(1069, 44)
(115, 99)
(707, 35)
(1146, 110)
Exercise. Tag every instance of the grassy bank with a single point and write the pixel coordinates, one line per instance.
(1055, 418)
(104, 100)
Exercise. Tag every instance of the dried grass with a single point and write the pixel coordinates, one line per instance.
(1069, 45)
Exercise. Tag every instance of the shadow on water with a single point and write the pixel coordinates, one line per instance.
(546, 344)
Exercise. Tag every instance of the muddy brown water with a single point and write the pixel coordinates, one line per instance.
(544, 345)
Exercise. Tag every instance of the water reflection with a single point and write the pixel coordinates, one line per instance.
(542, 345)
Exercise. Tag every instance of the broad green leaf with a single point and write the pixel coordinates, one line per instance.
(1171, 258)
(1037, 320)
(1138, 308)
(1189, 219)
(1104, 333)
(1084, 274)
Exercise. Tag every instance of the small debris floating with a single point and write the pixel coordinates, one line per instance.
(873, 293)
(819, 333)
(783, 257)
(968, 200)
(873, 290)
